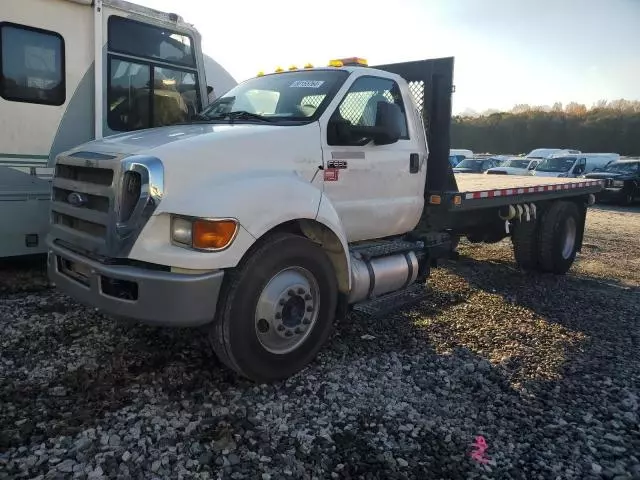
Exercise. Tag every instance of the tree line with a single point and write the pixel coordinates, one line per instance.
(605, 127)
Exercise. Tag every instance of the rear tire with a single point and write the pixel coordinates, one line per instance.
(558, 240)
(276, 309)
(525, 245)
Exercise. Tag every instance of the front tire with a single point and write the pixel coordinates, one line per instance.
(276, 310)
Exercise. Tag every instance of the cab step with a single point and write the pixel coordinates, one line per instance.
(382, 249)
(392, 302)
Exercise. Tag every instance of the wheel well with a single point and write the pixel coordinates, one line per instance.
(327, 239)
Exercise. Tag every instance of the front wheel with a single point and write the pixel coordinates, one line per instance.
(276, 309)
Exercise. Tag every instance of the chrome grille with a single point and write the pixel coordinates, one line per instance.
(97, 176)
(99, 203)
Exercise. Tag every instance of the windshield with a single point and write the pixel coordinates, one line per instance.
(284, 97)
(472, 164)
(558, 164)
(623, 167)
(516, 163)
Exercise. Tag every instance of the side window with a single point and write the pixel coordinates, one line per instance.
(32, 65)
(359, 106)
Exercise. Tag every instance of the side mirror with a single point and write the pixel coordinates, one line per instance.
(388, 127)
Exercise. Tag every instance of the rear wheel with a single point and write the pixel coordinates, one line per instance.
(525, 245)
(558, 241)
(276, 309)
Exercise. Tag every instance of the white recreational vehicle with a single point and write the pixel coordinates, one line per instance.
(76, 70)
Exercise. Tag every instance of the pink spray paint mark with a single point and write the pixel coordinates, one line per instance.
(480, 447)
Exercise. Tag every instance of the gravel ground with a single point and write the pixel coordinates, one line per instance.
(546, 369)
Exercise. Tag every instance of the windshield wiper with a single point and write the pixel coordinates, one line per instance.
(239, 114)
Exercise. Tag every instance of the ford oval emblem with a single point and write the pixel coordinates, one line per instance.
(77, 199)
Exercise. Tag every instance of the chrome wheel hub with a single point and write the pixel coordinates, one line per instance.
(287, 310)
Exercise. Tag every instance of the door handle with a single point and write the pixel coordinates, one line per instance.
(414, 163)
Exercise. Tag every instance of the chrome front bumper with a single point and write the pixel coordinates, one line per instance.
(148, 296)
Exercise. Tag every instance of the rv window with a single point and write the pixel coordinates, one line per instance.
(142, 40)
(32, 66)
(129, 96)
(141, 96)
(175, 96)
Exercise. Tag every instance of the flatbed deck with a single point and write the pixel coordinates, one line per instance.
(480, 190)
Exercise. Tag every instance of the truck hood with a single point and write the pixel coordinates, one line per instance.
(143, 141)
(199, 155)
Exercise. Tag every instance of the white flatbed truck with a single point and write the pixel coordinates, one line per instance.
(297, 195)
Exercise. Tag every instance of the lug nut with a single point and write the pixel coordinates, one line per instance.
(309, 308)
(278, 315)
(282, 301)
(281, 328)
(306, 321)
(291, 292)
(298, 330)
(289, 333)
(263, 326)
(300, 291)
(307, 297)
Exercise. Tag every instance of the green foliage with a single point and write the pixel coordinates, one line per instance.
(606, 127)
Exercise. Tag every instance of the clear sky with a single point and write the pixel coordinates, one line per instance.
(506, 51)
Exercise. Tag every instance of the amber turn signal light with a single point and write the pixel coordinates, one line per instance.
(214, 234)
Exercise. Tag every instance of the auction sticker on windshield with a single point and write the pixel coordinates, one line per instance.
(307, 84)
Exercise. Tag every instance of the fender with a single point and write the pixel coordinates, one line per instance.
(260, 201)
(328, 216)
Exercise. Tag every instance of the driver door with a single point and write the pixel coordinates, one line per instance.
(374, 188)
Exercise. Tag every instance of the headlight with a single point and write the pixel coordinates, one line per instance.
(203, 233)
(618, 183)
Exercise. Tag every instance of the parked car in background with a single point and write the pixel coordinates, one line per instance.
(548, 152)
(474, 165)
(572, 165)
(621, 181)
(500, 159)
(514, 166)
(456, 155)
